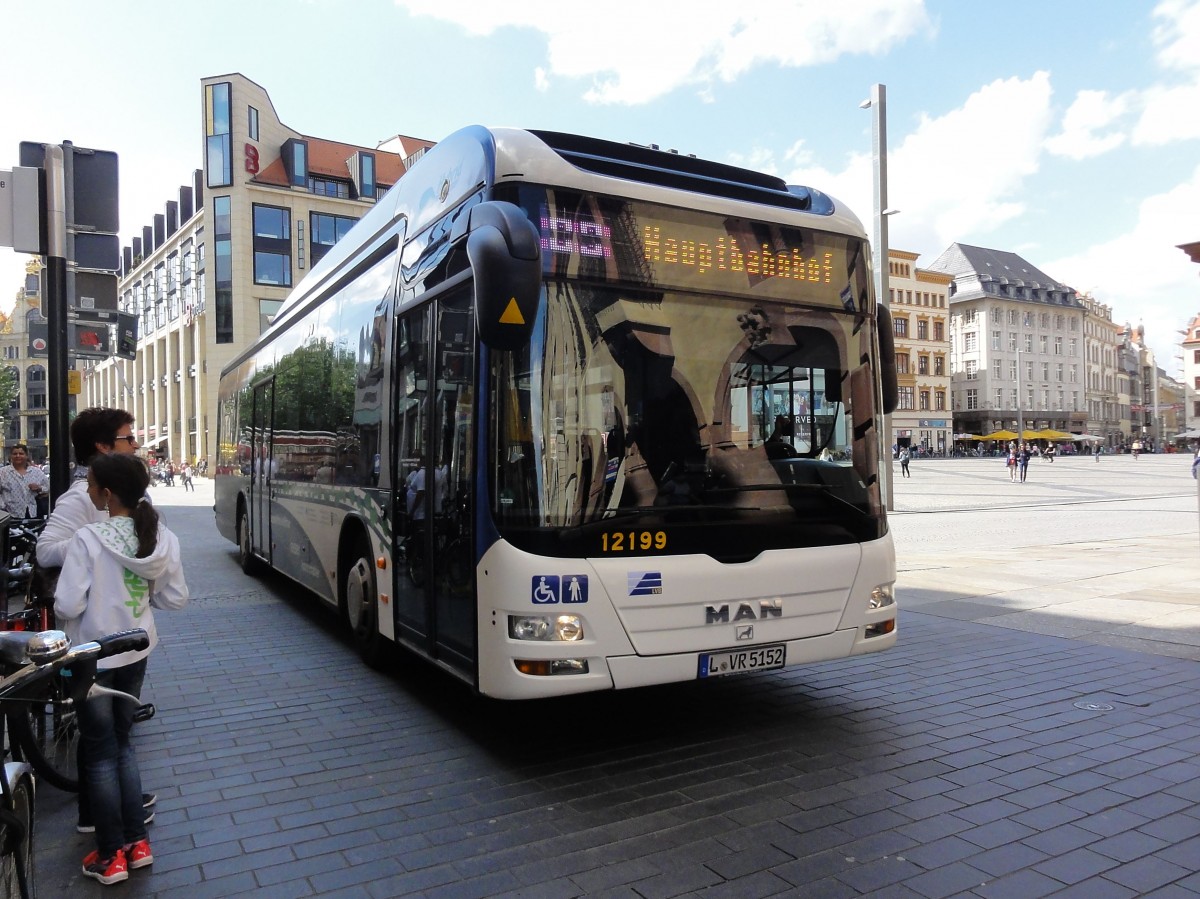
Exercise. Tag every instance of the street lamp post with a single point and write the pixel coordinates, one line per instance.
(877, 103)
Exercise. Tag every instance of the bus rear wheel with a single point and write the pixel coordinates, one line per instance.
(361, 602)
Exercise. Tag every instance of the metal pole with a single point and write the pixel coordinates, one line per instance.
(56, 318)
(879, 255)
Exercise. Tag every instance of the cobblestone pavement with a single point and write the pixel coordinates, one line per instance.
(975, 759)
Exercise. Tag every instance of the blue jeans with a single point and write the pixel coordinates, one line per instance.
(111, 774)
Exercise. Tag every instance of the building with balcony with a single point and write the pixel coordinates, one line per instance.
(920, 318)
(1191, 373)
(23, 349)
(208, 274)
(1102, 340)
(1016, 344)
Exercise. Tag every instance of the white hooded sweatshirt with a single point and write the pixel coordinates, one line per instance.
(104, 588)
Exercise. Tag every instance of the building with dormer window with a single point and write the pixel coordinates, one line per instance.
(1016, 344)
(208, 274)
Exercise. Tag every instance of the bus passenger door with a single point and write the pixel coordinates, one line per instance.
(261, 470)
(452, 454)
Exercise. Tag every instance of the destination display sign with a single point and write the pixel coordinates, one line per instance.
(652, 246)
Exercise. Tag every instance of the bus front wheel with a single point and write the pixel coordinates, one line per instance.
(250, 563)
(362, 609)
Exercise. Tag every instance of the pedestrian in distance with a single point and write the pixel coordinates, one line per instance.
(1023, 460)
(1011, 462)
(23, 487)
(904, 460)
(185, 476)
(115, 573)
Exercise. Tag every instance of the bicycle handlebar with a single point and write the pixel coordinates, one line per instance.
(33, 673)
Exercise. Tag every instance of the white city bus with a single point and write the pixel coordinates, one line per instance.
(561, 414)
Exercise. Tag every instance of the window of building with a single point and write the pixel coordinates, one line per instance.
(939, 365)
(969, 342)
(295, 161)
(939, 400)
(1044, 343)
(1045, 371)
(969, 317)
(972, 369)
(1045, 319)
(327, 230)
(1027, 318)
(252, 122)
(267, 310)
(1058, 372)
(218, 147)
(997, 337)
(223, 249)
(900, 326)
(902, 363)
(366, 176)
(1029, 343)
(939, 330)
(906, 398)
(922, 329)
(1012, 369)
(1071, 347)
(972, 399)
(922, 365)
(923, 400)
(272, 246)
(1057, 346)
(999, 398)
(326, 187)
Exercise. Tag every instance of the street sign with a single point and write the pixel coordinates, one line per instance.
(127, 335)
(20, 210)
(95, 290)
(101, 252)
(90, 338)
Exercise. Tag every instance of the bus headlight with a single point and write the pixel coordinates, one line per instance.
(882, 596)
(565, 628)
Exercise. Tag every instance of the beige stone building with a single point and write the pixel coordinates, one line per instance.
(1107, 393)
(920, 318)
(23, 348)
(207, 275)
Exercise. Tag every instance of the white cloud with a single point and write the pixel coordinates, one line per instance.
(1144, 270)
(1168, 110)
(635, 52)
(1178, 34)
(1091, 113)
(960, 174)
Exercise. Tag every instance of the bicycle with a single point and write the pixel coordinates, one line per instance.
(32, 658)
(42, 729)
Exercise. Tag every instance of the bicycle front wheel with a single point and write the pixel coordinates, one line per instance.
(16, 839)
(45, 733)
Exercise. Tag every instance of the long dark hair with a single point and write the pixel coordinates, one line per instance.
(127, 477)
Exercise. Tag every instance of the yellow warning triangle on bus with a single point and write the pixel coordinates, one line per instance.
(512, 314)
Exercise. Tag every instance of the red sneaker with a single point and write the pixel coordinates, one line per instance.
(106, 870)
(138, 855)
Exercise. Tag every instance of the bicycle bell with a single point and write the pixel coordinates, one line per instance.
(47, 646)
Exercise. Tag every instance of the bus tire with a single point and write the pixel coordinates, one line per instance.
(251, 564)
(361, 602)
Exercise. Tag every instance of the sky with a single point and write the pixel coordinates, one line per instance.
(1066, 132)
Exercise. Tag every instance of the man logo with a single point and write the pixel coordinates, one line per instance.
(767, 608)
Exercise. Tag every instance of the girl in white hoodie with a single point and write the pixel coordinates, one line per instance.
(115, 571)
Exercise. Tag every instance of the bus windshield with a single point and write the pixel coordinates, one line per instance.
(660, 414)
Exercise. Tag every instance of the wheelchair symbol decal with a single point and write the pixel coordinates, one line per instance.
(547, 589)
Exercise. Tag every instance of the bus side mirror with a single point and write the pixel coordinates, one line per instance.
(504, 249)
(887, 361)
